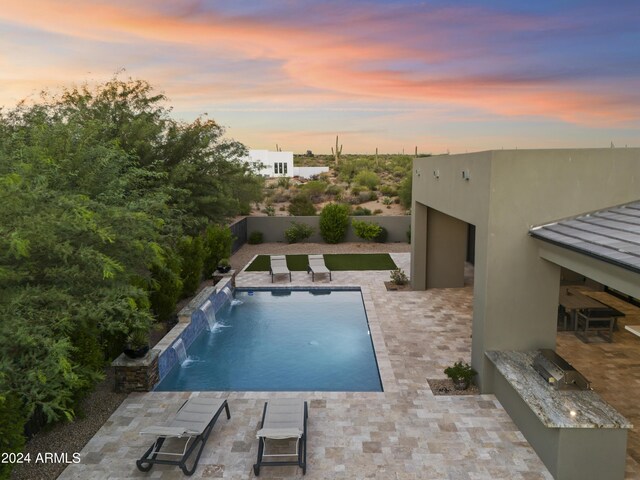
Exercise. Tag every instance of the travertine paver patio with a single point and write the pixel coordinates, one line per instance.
(404, 432)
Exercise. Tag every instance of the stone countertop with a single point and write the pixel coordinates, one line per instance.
(551, 406)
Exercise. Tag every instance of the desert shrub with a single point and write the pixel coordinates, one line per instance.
(282, 208)
(400, 172)
(324, 177)
(255, 238)
(334, 222)
(399, 277)
(192, 256)
(373, 196)
(366, 196)
(245, 208)
(366, 230)
(361, 211)
(217, 244)
(315, 190)
(284, 182)
(367, 178)
(355, 190)
(301, 205)
(11, 428)
(280, 195)
(388, 190)
(387, 201)
(404, 192)
(333, 190)
(377, 211)
(270, 210)
(382, 236)
(298, 232)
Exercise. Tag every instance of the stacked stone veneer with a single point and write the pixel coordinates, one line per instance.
(136, 375)
(143, 374)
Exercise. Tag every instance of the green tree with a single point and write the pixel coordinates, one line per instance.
(166, 286)
(334, 222)
(98, 186)
(218, 241)
(11, 428)
(192, 256)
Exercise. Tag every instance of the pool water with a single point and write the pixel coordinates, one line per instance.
(283, 340)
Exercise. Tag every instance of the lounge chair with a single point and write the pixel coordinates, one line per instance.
(317, 265)
(279, 266)
(194, 421)
(283, 419)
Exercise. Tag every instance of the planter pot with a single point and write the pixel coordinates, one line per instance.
(461, 384)
(224, 269)
(136, 352)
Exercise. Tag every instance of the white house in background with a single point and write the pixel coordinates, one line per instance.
(274, 164)
(280, 164)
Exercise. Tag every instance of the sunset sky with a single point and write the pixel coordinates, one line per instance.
(445, 76)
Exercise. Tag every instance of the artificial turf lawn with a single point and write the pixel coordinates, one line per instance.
(335, 262)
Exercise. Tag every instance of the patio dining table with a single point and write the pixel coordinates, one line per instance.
(572, 299)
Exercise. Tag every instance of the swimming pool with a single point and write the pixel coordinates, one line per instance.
(282, 340)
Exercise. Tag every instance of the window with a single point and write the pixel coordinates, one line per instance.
(285, 168)
(275, 167)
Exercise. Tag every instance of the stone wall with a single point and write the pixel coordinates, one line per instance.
(136, 375)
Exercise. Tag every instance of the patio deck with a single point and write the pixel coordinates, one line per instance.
(404, 432)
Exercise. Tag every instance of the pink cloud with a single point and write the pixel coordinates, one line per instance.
(332, 62)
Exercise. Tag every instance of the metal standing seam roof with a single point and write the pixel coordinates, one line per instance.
(611, 235)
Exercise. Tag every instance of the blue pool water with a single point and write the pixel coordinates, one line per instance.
(283, 340)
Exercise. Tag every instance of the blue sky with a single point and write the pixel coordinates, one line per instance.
(443, 76)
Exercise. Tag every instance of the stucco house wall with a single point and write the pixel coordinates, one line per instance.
(504, 193)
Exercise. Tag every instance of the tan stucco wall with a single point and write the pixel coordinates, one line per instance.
(273, 228)
(446, 252)
(516, 291)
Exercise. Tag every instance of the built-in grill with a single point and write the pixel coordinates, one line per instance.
(559, 373)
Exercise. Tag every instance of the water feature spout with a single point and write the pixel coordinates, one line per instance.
(210, 314)
(178, 346)
(227, 291)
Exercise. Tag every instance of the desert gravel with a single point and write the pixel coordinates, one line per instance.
(70, 437)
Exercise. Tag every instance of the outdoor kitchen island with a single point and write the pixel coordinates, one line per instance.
(574, 432)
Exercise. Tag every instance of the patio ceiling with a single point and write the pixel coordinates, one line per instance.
(611, 235)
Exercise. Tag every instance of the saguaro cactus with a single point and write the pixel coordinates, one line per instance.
(337, 152)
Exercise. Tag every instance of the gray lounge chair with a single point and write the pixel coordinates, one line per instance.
(279, 266)
(316, 265)
(283, 419)
(194, 421)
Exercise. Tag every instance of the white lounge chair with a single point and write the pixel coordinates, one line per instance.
(279, 266)
(317, 265)
(283, 419)
(194, 421)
